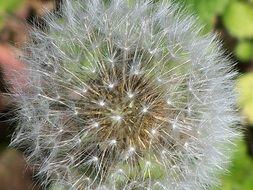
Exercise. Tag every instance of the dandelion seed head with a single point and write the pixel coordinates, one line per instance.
(119, 92)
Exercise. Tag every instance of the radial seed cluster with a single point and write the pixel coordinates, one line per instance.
(126, 96)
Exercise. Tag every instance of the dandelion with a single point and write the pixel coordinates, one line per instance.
(126, 96)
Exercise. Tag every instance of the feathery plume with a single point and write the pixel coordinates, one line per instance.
(126, 95)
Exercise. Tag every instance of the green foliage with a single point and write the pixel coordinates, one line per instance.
(240, 176)
(1, 22)
(206, 10)
(244, 50)
(238, 19)
(9, 6)
(245, 89)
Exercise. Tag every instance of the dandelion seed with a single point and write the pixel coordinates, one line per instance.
(113, 142)
(127, 85)
(84, 90)
(96, 124)
(147, 164)
(117, 118)
(111, 85)
(76, 112)
(153, 131)
(174, 126)
(101, 103)
(145, 109)
(131, 149)
(95, 159)
(130, 94)
(168, 102)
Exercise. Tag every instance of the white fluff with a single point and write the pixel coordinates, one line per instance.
(126, 96)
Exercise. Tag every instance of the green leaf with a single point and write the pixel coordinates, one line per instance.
(245, 89)
(206, 10)
(1, 22)
(240, 176)
(244, 50)
(238, 19)
(8, 6)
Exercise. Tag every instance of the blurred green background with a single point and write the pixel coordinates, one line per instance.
(232, 20)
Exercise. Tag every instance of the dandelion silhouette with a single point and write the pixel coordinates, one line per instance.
(126, 96)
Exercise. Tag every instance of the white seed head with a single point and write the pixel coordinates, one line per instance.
(89, 79)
